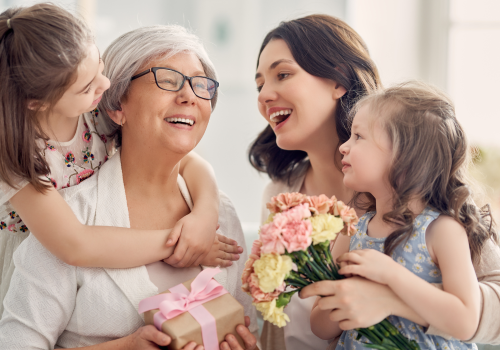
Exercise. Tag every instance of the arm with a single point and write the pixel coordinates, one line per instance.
(488, 274)
(196, 231)
(55, 225)
(454, 310)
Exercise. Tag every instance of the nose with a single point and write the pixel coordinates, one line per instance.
(103, 84)
(186, 95)
(344, 148)
(267, 94)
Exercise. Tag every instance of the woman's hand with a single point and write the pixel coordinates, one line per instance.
(224, 251)
(357, 302)
(146, 338)
(249, 339)
(194, 236)
(368, 263)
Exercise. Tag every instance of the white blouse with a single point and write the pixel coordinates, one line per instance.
(52, 304)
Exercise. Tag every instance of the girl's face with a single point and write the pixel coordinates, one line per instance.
(85, 93)
(165, 120)
(299, 107)
(367, 154)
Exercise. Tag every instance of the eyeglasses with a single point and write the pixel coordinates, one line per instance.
(172, 80)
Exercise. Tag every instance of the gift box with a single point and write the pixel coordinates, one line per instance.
(198, 310)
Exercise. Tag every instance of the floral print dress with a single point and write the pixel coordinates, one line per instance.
(70, 163)
(415, 257)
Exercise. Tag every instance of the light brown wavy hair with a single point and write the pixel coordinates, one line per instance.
(41, 47)
(431, 160)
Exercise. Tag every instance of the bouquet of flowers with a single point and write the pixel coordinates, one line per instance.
(294, 251)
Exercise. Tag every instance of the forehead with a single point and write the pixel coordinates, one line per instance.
(276, 49)
(185, 62)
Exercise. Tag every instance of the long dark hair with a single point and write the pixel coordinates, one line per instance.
(431, 157)
(326, 47)
(41, 47)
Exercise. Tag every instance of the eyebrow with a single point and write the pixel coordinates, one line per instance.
(275, 64)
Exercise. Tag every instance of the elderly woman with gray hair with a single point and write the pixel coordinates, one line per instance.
(163, 90)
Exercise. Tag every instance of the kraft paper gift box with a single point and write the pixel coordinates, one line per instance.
(184, 309)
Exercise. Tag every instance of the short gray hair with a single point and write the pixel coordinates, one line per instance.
(134, 49)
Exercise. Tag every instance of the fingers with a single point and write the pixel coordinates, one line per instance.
(248, 338)
(226, 240)
(193, 346)
(321, 288)
(174, 235)
(150, 333)
(247, 321)
(353, 257)
(353, 270)
(178, 255)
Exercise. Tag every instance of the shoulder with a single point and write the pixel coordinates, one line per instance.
(445, 233)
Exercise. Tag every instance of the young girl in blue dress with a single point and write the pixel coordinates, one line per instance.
(407, 159)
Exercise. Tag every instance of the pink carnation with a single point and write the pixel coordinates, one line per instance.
(247, 271)
(319, 204)
(270, 235)
(284, 201)
(256, 247)
(297, 213)
(297, 235)
(347, 214)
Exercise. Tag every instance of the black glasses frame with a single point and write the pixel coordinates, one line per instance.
(185, 77)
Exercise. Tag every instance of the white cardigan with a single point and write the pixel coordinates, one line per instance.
(54, 305)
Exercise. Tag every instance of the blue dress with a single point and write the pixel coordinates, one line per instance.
(415, 257)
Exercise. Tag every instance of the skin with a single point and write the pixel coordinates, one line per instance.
(455, 309)
(53, 223)
(283, 84)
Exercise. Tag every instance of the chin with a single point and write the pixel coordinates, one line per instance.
(288, 143)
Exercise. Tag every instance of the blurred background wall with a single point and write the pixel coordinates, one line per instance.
(453, 44)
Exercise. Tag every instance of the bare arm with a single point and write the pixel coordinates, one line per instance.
(454, 310)
(196, 231)
(55, 225)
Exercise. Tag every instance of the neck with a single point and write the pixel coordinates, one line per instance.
(323, 177)
(145, 172)
(59, 128)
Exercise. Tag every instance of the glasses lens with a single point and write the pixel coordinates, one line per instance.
(169, 80)
(204, 87)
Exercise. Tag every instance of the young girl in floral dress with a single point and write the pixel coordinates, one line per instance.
(51, 138)
(407, 159)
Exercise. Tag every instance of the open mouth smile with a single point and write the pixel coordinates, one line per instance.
(181, 121)
(280, 116)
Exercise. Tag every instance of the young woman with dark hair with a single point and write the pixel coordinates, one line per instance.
(310, 72)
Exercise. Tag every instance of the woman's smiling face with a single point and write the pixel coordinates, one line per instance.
(160, 119)
(299, 107)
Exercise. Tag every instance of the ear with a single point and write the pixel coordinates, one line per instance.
(117, 116)
(37, 106)
(339, 91)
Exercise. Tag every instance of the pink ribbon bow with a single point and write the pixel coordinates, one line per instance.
(180, 300)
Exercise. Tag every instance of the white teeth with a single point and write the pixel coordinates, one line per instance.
(180, 120)
(282, 112)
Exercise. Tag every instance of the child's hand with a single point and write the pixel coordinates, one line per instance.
(224, 251)
(194, 239)
(368, 263)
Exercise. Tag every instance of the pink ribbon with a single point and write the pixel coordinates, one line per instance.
(180, 300)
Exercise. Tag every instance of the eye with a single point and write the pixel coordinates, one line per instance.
(357, 136)
(259, 87)
(88, 90)
(282, 76)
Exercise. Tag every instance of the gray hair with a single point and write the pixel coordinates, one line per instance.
(135, 49)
